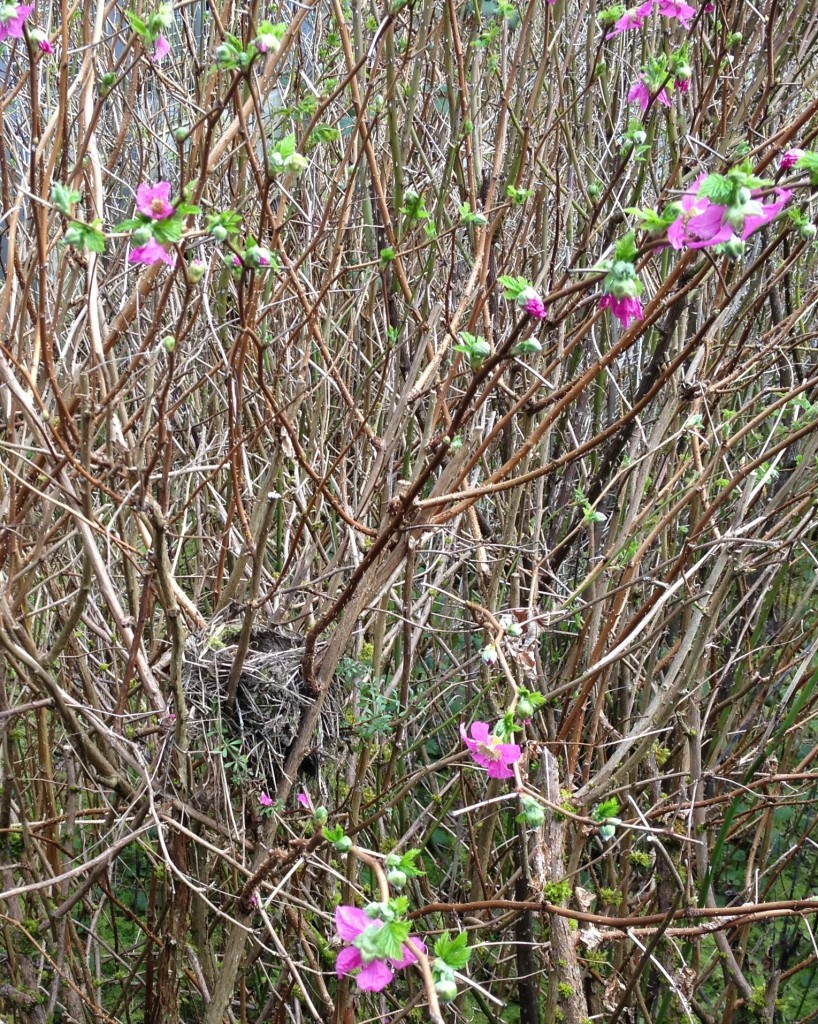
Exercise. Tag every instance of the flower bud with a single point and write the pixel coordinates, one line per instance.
(343, 845)
(734, 247)
(808, 231)
(224, 53)
(530, 346)
(219, 232)
(446, 990)
(396, 877)
(142, 235)
(169, 343)
(525, 708)
(320, 815)
(195, 271)
(180, 133)
(295, 163)
(640, 138)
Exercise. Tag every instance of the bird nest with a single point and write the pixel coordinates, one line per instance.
(252, 737)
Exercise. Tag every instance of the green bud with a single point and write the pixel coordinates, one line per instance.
(525, 709)
(195, 271)
(169, 343)
(808, 231)
(528, 347)
(446, 990)
(320, 815)
(343, 845)
(396, 877)
(734, 247)
(142, 235)
(107, 82)
(219, 232)
(180, 133)
(73, 235)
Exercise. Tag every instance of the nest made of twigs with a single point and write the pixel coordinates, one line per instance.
(250, 739)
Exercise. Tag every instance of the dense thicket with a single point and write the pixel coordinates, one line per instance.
(299, 481)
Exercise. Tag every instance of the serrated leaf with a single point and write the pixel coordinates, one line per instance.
(625, 249)
(168, 230)
(455, 953)
(93, 237)
(717, 189)
(407, 864)
(390, 939)
(606, 809)
(130, 225)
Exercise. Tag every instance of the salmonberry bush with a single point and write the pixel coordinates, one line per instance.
(408, 541)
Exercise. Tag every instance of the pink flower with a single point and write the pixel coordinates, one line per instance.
(150, 252)
(489, 752)
(640, 94)
(153, 200)
(682, 84)
(534, 307)
(265, 800)
(376, 974)
(702, 223)
(12, 17)
(625, 310)
(304, 799)
(45, 46)
(790, 158)
(683, 13)
(631, 19)
(161, 51)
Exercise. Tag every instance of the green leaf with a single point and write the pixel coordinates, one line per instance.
(323, 133)
(137, 24)
(64, 198)
(168, 230)
(94, 238)
(407, 864)
(607, 809)
(626, 248)
(332, 835)
(513, 286)
(390, 939)
(187, 209)
(809, 162)
(454, 952)
(718, 189)
(132, 224)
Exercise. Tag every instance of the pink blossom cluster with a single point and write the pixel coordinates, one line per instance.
(703, 223)
(636, 17)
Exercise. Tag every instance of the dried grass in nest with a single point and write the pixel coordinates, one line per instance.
(250, 740)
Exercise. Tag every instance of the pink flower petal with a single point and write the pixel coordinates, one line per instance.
(375, 976)
(350, 922)
(161, 51)
(408, 956)
(150, 252)
(347, 960)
